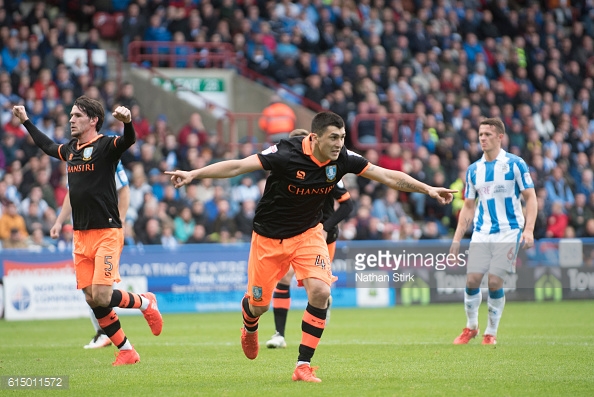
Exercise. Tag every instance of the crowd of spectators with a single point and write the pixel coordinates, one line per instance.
(448, 63)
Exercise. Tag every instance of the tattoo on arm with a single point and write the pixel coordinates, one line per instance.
(463, 225)
(406, 186)
(467, 223)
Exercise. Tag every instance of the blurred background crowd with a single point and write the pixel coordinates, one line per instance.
(448, 63)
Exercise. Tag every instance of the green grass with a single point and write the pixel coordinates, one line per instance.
(543, 349)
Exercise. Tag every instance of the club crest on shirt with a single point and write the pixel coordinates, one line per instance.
(330, 173)
(87, 153)
(257, 293)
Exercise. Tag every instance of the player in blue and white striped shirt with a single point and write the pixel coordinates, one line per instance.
(495, 185)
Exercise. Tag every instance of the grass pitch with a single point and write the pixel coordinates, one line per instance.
(543, 349)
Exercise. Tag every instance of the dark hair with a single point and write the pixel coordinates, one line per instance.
(323, 120)
(495, 122)
(299, 132)
(92, 108)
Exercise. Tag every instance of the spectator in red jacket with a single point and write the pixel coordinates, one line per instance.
(141, 124)
(194, 126)
(557, 221)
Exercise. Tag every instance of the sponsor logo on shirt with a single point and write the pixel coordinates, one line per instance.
(300, 191)
(81, 168)
(485, 190)
(500, 189)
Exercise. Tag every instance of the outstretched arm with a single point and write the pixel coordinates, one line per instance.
(223, 169)
(400, 181)
(46, 144)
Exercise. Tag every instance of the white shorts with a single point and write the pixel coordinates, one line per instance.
(494, 253)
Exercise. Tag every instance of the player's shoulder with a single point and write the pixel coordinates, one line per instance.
(73, 142)
(516, 161)
(349, 153)
(350, 156)
(512, 158)
(104, 142)
(109, 136)
(289, 143)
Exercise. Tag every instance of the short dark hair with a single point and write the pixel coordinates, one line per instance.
(92, 108)
(323, 120)
(495, 122)
(299, 132)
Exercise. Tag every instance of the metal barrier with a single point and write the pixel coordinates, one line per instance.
(229, 128)
(188, 54)
(271, 83)
(204, 55)
(387, 129)
(233, 129)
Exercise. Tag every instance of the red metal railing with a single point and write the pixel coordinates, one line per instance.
(188, 54)
(222, 55)
(233, 129)
(248, 123)
(271, 83)
(203, 55)
(387, 128)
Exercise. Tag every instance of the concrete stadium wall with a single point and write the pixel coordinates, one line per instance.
(245, 96)
(154, 100)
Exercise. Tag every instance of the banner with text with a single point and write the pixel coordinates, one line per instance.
(213, 277)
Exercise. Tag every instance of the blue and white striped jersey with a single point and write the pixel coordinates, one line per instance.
(497, 185)
(121, 178)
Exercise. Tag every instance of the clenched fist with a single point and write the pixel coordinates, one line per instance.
(123, 114)
(19, 111)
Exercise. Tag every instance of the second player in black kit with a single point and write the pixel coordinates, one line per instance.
(298, 186)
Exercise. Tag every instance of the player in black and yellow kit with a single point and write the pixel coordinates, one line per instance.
(98, 235)
(287, 228)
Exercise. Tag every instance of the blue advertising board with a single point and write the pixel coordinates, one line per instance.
(213, 277)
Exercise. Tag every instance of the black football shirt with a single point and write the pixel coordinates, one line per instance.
(298, 186)
(91, 169)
